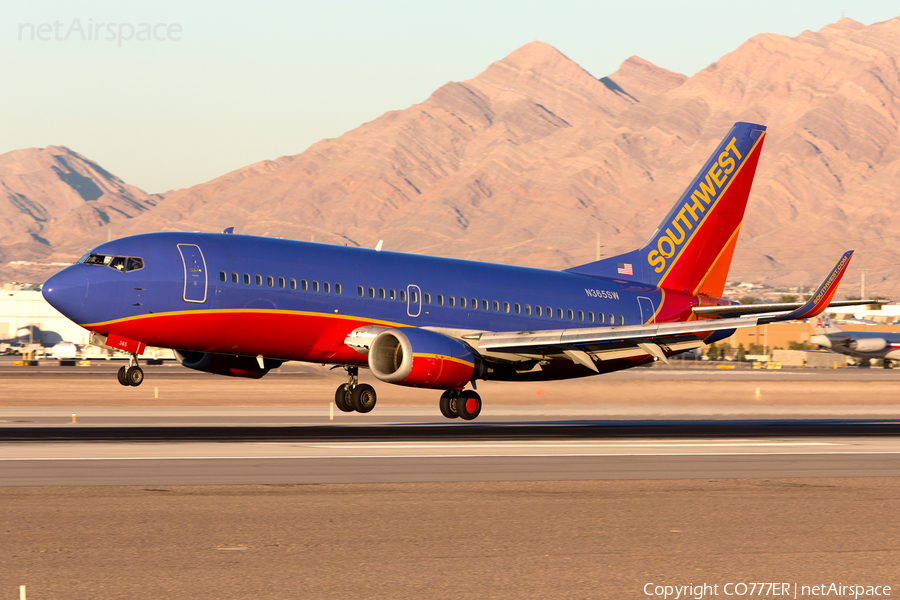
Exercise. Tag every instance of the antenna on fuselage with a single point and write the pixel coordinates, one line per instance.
(379, 245)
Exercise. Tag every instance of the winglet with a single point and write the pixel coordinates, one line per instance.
(229, 230)
(820, 300)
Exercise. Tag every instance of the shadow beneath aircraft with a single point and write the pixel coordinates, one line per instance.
(495, 431)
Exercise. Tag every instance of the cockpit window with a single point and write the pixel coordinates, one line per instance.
(119, 263)
(98, 259)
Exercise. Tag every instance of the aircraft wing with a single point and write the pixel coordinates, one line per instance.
(655, 339)
(758, 309)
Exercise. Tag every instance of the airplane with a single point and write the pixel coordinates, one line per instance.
(241, 305)
(859, 344)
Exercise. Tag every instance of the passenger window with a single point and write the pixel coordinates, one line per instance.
(326, 287)
(549, 313)
(475, 304)
(581, 315)
(537, 311)
(392, 294)
(402, 295)
(371, 292)
(281, 282)
(600, 318)
(246, 278)
(222, 277)
(621, 320)
(612, 319)
(359, 291)
(315, 286)
(270, 281)
(590, 317)
(337, 289)
(304, 285)
(293, 284)
(569, 314)
(506, 307)
(234, 278)
(517, 308)
(381, 294)
(134, 264)
(496, 306)
(527, 310)
(440, 299)
(259, 280)
(427, 298)
(451, 300)
(462, 302)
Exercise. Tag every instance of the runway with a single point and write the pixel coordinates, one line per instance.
(216, 446)
(566, 496)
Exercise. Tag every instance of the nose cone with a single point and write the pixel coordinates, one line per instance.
(67, 290)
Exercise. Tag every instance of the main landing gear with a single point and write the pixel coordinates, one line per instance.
(888, 364)
(465, 404)
(131, 375)
(353, 395)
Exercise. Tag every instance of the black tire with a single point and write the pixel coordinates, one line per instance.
(448, 404)
(121, 376)
(363, 398)
(342, 398)
(134, 376)
(468, 405)
(888, 364)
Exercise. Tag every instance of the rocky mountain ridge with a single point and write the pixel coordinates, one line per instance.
(533, 160)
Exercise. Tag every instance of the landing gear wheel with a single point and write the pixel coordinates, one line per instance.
(134, 376)
(363, 398)
(468, 405)
(888, 364)
(342, 398)
(448, 404)
(121, 376)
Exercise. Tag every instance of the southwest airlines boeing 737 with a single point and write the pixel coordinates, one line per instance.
(241, 305)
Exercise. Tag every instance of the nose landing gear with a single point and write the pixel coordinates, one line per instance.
(354, 396)
(132, 375)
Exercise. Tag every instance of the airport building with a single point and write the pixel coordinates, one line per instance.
(27, 318)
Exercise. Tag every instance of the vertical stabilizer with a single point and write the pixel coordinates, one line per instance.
(691, 249)
(823, 325)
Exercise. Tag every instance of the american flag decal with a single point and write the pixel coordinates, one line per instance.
(625, 269)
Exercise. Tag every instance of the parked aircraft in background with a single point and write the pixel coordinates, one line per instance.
(241, 305)
(858, 344)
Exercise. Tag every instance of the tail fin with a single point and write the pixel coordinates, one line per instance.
(823, 325)
(692, 248)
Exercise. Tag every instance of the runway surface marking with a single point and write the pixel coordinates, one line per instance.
(97, 451)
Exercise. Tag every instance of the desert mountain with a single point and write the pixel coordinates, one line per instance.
(533, 159)
(56, 199)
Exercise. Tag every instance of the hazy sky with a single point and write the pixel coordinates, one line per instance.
(222, 85)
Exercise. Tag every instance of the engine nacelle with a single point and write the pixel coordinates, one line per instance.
(822, 341)
(868, 344)
(226, 364)
(422, 358)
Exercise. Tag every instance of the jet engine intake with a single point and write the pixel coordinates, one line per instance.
(226, 364)
(423, 358)
(868, 344)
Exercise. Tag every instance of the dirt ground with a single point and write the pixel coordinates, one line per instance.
(566, 540)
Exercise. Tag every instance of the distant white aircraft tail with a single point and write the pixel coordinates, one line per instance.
(823, 325)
